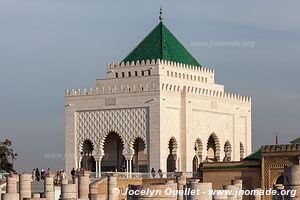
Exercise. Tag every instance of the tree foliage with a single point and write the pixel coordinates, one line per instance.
(6, 155)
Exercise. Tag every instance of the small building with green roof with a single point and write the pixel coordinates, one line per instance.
(264, 168)
(296, 141)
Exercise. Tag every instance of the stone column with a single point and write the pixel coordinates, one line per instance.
(130, 166)
(64, 181)
(68, 191)
(239, 186)
(11, 183)
(112, 186)
(10, 196)
(220, 197)
(49, 187)
(11, 188)
(97, 169)
(83, 185)
(201, 189)
(128, 158)
(98, 165)
(78, 162)
(75, 181)
(232, 195)
(181, 182)
(25, 186)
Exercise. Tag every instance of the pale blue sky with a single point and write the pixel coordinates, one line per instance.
(49, 45)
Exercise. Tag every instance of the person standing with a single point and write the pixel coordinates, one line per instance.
(57, 173)
(160, 173)
(33, 175)
(42, 174)
(58, 176)
(153, 172)
(64, 175)
(38, 175)
(73, 172)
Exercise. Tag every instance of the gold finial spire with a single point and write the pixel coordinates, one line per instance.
(161, 14)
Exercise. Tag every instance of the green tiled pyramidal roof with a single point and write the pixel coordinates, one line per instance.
(161, 44)
(296, 141)
(254, 156)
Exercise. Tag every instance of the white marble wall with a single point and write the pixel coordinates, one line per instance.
(180, 101)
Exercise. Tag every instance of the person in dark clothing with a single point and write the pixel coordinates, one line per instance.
(73, 172)
(42, 174)
(153, 172)
(38, 175)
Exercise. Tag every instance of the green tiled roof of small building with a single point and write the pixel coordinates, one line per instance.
(161, 44)
(254, 156)
(295, 141)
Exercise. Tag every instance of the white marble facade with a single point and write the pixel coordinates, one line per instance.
(178, 111)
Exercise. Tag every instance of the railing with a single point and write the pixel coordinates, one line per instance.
(137, 175)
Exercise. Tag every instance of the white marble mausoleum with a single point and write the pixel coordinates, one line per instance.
(157, 108)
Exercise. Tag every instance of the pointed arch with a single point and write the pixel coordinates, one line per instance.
(140, 157)
(84, 143)
(195, 163)
(213, 148)
(87, 158)
(198, 149)
(197, 159)
(104, 138)
(133, 141)
(227, 151)
(112, 146)
(87, 146)
(172, 157)
(173, 146)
